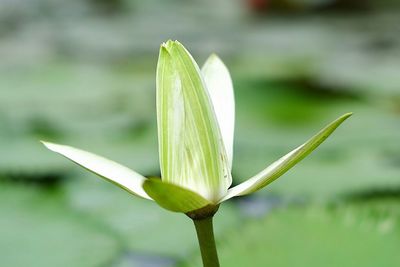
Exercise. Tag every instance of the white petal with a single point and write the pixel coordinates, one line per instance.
(192, 153)
(279, 167)
(107, 169)
(219, 85)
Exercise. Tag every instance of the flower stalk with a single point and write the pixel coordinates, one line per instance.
(205, 235)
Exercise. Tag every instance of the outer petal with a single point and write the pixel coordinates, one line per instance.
(279, 167)
(192, 154)
(107, 169)
(220, 89)
(173, 197)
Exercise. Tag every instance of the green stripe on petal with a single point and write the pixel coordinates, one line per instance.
(113, 172)
(219, 84)
(192, 154)
(173, 197)
(279, 167)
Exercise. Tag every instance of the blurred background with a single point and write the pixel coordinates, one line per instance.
(82, 72)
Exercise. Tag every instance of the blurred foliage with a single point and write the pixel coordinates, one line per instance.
(346, 235)
(38, 229)
(82, 73)
(141, 225)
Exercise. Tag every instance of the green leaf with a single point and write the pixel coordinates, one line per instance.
(279, 167)
(219, 84)
(173, 197)
(107, 169)
(192, 153)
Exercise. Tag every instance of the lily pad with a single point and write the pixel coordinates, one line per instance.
(38, 230)
(314, 237)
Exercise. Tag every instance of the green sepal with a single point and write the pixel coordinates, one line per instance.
(173, 197)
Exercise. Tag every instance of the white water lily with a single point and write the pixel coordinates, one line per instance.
(195, 117)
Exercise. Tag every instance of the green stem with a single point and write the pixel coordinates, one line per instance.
(205, 235)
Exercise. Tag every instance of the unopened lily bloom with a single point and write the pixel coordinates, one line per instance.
(195, 118)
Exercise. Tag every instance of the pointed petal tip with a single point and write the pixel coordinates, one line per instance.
(49, 145)
(342, 118)
(347, 115)
(55, 147)
(44, 142)
(214, 56)
(216, 63)
(179, 46)
(163, 49)
(176, 42)
(169, 43)
(166, 46)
